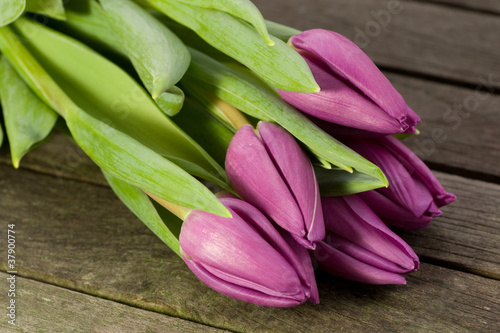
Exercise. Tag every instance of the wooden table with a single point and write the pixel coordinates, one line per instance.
(86, 264)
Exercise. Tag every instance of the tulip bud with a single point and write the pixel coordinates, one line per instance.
(360, 247)
(414, 194)
(246, 258)
(273, 173)
(354, 93)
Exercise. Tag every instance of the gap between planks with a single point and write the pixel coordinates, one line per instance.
(490, 7)
(77, 236)
(434, 40)
(45, 307)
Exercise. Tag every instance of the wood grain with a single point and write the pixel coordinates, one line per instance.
(424, 38)
(75, 234)
(44, 308)
(487, 6)
(61, 157)
(468, 233)
(79, 236)
(459, 127)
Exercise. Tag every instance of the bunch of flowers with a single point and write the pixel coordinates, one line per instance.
(299, 132)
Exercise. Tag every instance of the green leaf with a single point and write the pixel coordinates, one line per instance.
(50, 8)
(402, 136)
(242, 9)
(190, 38)
(119, 154)
(87, 21)
(109, 94)
(171, 101)
(224, 112)
(336, 182)
(32, 73)
(280, 65)
(28, 120)
(159, 56)
(208, 131)
(1, 135)
(281, 31)
(123, 157)
(140, 204)
(259, 101)
(10, 10)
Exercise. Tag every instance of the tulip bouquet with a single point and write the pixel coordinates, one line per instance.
(253, 150)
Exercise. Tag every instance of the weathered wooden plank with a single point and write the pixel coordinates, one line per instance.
(488, 6)
(61, 157)
(459, 126)
(79, 236)
(42, 308)
(419, 37)
(468, 233)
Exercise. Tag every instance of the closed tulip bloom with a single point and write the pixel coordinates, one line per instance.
(354, 93)
(360, 247)
(246, 258)
(414, 195)
(271, 172)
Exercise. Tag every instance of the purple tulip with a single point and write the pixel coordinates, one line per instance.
(246, 258)
(414, 194)
(354, 93)
(360, 247)
(271, 172)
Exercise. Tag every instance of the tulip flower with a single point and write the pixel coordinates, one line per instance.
(354, 93)
(360, 247)
(271, 172)
(246, 258)
(414, 195)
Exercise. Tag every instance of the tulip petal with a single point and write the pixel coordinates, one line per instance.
(350, 218)
(296, 256)
(364, 255)
(263, 187)
(414, 195)
(392, 213)
(340, 264)
(341, 103)
(347, 61)
(412, 119)
(404, 188)
(245, 257)
(238, 292)
(439, 194)
(344, 132)
(304, 267)
(209, 240)
(298, 173)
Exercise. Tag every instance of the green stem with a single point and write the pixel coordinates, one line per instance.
(179, 211)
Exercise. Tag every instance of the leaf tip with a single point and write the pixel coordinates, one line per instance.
(222, 211)
(158, 87)
(16, 162)
(383, 178)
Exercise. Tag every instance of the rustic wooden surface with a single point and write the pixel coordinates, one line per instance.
(487, 6)
(82, 239)
(86, 264)
(423, 38)
(50, 309)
